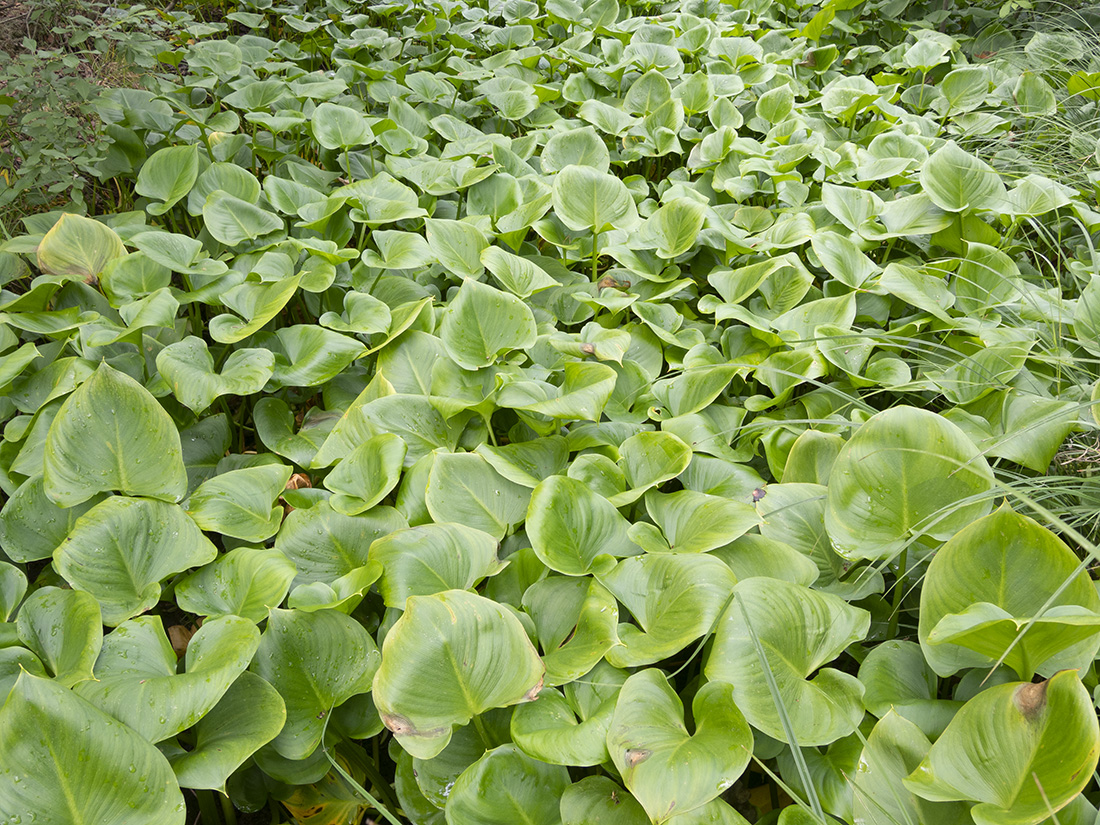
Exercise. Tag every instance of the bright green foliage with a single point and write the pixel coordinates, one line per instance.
(558, 412)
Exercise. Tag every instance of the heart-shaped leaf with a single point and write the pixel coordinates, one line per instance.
(316, 661)
(988, 581)
(1021, 750)
(121, 550)
(798, 630)
(450, 657)
(135, 448)
(669, 770)
(906, 473)
(137, 668)
(66, 761)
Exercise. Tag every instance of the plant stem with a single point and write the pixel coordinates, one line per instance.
(208, 810)
(899, 591)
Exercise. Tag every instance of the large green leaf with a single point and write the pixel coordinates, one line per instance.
(482, 323)
(247, 582)
(168, 176)
(31, 525)
(798, 630)
(367, 474)
(325, 545)
(450, 657)
(905, 474)
(78, 247)
(317, 661)
(232, 221)
(69, 763)
(587, 199)
(248, 716)
(597, 800)
(576, 619)
(549, 729)
(457, 245)
(956, 181)
(64, 629)
(340, 127)
(432, 558)
(571, 527)
(188, 367)
(241, 503)
(669, 770)
(674, 599)
(111, 434)
(988, 581)
(504, 787)
(893, 750)
(695, 522)
(137, 668)
(13, 586)
(464, 488)
(121, 550)
(1021, 751)
(897, 678)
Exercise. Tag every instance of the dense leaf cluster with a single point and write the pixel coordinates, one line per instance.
(559, 413)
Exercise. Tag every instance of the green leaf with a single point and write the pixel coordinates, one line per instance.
(432, 558)
(188, 367)
(168, 176)
(897, 678)
(457, 245)
(1022, 751)
(64, 629)
(1034, 96)
(482, 323)
(674, 598)
(696, 523)
(111, 434)
(384, 199)
(518, 275)
(548, 729)
(464, 488)
(325, 545)
(906, 473)
(232, 221)
(367, 474)
(450, 657)
(597, 800)
(799, 630)
(648, 459)
(247, 582)
(576, 620)
(340, 127)
(68, 762)
(122, 549)
(894, 749)
(241, 503)
(668, 770)
(571, 527)
(31, 525)
(575, 147)
(674, 228)
(506, 786)
(78, 247)
(317, 661)
(987, 582)
(586, 199)
(13, 586)
(956, 181)
(137, 668)
(248, 716)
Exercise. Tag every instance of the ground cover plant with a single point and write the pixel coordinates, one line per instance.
(563, 413)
